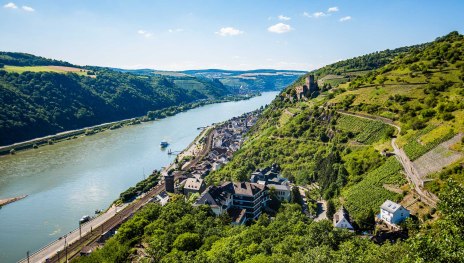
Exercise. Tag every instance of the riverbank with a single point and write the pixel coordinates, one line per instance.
(11, 200)
(91, 130)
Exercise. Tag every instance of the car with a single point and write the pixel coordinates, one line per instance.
(84, 219)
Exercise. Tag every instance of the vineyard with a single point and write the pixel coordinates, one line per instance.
(414, 149)
(370, 193)
(365, 131)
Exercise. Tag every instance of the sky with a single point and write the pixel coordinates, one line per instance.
(226, 34)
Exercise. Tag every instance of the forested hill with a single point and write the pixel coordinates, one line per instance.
(42, 97)
(23, 59)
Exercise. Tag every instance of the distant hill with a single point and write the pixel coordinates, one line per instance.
(251, 80)
(238, 81)
(23, 59)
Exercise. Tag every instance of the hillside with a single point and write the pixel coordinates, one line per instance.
(42, 97)
(344, 141)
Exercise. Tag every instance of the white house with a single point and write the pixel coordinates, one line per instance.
(341, 219)
(393, 213)
(283, 192)
(163, 198)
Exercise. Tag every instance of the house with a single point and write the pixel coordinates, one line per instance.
(194, 185)
(271, 175)
(251, 197)
(341, 219)
(217, 197)
(237, 215)
(246, 200)
(393, 213)
(216, 166)
(283, 192)
(163, 198)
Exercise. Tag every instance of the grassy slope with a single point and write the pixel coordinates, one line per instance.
(22, 69)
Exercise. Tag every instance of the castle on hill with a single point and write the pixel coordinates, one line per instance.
(308, 90)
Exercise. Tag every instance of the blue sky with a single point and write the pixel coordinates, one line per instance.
(232, 34)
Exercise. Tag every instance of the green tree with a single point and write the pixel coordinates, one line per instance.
(330, 209)
(187, 242)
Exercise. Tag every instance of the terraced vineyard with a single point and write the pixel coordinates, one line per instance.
(370, 193)
(365, 131)
(414, 149)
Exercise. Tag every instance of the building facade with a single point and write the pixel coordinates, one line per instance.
(393, 213)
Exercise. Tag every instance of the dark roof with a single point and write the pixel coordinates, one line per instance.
(246, 188)
(215, 196)
(236, 214)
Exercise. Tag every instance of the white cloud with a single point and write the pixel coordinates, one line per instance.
(319, 14)
(345, 18)
(333, 9)
(11, 5)
(27, 8)
(175, 30)
(229, 31)
(284, 18)
(315, 15)
(144, 33)
(280, 28)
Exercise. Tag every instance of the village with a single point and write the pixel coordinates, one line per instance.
(245, 201)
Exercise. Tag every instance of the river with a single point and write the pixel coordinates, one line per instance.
(74, 178)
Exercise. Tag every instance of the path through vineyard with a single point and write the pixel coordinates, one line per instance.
(411, 172)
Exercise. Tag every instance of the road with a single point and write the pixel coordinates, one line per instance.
(206, 149)
(51, 249)
(410, 170)
(413, 176)
(93, 229)
(321, 211)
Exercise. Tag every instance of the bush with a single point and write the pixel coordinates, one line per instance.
(187, 242)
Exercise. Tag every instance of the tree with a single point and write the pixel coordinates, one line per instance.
(296, 196)
(367, 220)
(330, 209)
(187, 242)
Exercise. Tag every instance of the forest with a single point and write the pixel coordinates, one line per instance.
(36, 104)
(179, 232)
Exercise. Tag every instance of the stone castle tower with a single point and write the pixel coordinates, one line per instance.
(169, 183)
(308, 89)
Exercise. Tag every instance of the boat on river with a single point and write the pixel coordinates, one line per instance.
(164, 144)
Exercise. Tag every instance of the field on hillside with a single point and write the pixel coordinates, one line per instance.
(365, 131)
(416, 147)
(370, 193)
(438, 158)
(57, 69)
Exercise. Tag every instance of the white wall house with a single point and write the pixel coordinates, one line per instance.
(283, 192)
(393, 213)
(341, 219)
